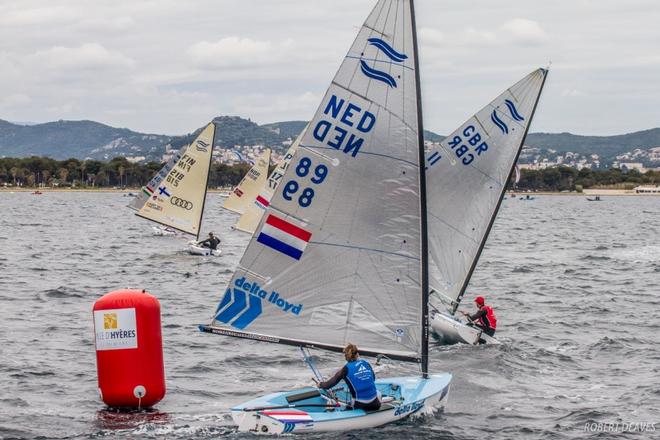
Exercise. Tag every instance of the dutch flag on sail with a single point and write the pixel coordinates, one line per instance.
(262, 202)
(284, 237)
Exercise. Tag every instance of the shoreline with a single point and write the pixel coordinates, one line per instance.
(584, 193)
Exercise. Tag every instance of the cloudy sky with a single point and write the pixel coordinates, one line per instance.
(169, 66)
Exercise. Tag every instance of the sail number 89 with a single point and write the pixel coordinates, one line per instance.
(304, 171)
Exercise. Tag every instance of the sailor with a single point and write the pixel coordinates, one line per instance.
(484, 318)
(211, 242)
(360, 378)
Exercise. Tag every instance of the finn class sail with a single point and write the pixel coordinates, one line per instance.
(469, 173)
(247, 190)
(340, 253)
(249, 221)
(175, 196)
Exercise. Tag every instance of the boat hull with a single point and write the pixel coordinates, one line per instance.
(281, 413)
(449, 330)
(193, 249)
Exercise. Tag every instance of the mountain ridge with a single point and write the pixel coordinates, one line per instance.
(90, 139)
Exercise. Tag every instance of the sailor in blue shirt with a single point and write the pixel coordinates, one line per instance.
(360, 378)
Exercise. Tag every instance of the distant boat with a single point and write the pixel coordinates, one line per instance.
(595, 199)
(527, 197)
(248, 189)
(175, 196)
(249, 221)
(37, 193)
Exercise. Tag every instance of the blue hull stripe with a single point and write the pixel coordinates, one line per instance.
(279, 246)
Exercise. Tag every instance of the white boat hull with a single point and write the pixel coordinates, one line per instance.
(449, 330)
(278, 416)
(194, 249)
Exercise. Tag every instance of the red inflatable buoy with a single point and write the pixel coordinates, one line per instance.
(129, 349)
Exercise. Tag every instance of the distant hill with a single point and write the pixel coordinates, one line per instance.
(80, 139)
(89, 139)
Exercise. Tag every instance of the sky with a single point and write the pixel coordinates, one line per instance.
(170, 66)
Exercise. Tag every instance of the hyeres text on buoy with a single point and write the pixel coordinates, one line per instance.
(129, 349)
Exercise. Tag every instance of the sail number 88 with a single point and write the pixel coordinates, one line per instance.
(304, 171)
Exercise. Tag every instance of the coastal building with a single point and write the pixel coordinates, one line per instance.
(647, 189)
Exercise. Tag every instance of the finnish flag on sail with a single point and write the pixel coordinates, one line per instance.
(284, 237)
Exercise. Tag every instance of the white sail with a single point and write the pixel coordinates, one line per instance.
(336, 256)
(466, 178)
(249, 221)
(247, 190)
(148, 191)
(177, 200)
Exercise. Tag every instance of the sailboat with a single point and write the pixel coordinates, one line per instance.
(249, 220)
(469, 172)
(175, 197)
(247, 190)
(340, 253)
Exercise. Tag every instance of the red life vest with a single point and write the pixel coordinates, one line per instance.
(490, 316)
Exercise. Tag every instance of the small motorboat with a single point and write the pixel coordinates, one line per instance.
(594, 199)
(37, 193)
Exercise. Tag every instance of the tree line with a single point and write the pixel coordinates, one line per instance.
(569, 179)
(119, 172)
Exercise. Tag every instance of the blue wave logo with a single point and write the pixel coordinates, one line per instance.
(512, 109)
(377, 74)
(388, 50)
(500, 123)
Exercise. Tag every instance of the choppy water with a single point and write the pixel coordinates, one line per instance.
(574, 283)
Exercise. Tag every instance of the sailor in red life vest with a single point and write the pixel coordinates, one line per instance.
(484, 317)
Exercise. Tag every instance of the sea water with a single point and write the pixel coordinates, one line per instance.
(574, 285)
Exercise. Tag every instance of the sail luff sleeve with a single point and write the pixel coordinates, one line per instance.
(423, 208)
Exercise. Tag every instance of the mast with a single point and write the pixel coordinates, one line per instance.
(499, 202)
(422, 205)
(206, 186)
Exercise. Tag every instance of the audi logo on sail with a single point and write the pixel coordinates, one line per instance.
(181, 203)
